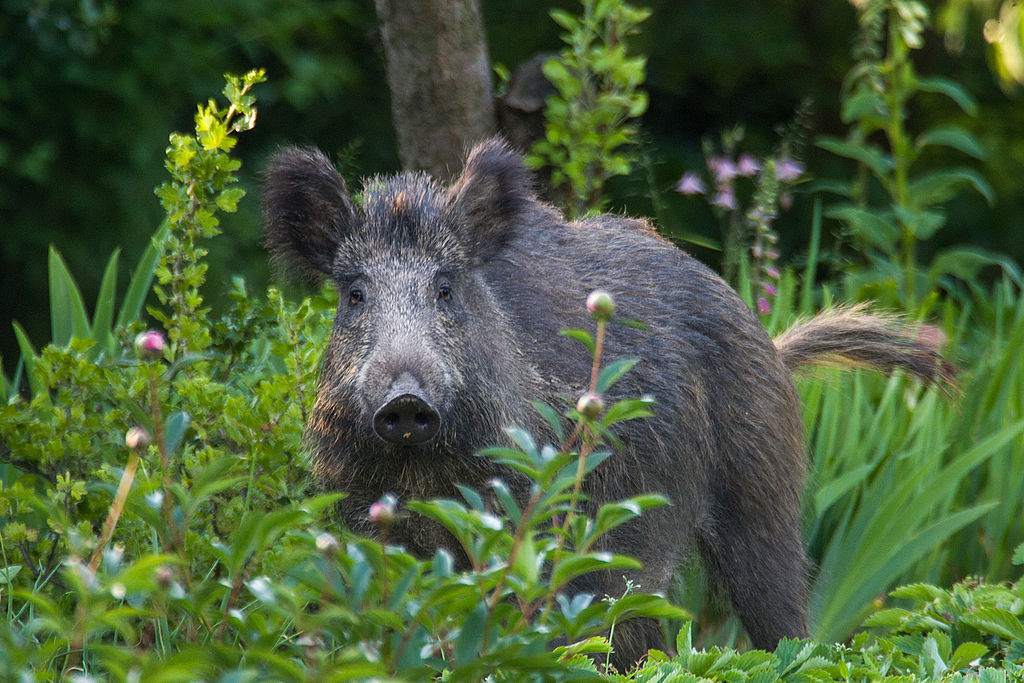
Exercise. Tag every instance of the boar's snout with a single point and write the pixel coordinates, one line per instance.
(406, 417)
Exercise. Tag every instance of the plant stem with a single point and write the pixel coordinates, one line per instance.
(165, 460)
(900, 146)
(123, 488)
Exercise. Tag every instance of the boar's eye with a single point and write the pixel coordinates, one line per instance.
(355, 296)
(444, 293)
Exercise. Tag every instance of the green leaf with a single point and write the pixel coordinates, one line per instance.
(613, 372)
(966, 264)
(950, 89)
(8, 573)
(467, 646)
(551, 417)
(684, 639)
(228, 199)
(103, 315)
(646, 605)
(995, 621)
(880, 163)
(628, 409)
(865, 104)
(174, 430)
(29, 358)
(953, 137)
(582, 336)
(967, 653)
(941, 186)
(67, 311)
(577, 565)
(876, 228)
(923, 224)
(1018, 555)
(142, 278)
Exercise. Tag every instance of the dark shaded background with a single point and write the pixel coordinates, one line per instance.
(90, 90)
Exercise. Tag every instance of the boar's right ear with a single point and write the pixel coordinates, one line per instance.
(493, 193)
(306, 211)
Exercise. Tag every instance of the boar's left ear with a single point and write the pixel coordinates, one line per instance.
(306, 211)
(493, 194)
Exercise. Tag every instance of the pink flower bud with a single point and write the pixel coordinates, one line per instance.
(383, 511)
(601, 305)
(150, 344)
(590, 405)
(772, 272)
(769, 289)
(725, 199)
(763, 307)
(137, 439)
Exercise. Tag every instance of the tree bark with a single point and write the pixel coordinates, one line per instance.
(439, 75)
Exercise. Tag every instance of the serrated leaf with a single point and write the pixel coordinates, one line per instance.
(967, 653)
(996, 621)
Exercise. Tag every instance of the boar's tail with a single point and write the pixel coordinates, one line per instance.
(853, 337)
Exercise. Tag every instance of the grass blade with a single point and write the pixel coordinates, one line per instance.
(103, 315)
(142, 278)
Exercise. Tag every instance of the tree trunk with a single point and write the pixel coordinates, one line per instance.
(440, 79)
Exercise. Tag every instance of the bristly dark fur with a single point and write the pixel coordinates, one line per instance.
(853, 337)
(726, 444)
(306, 211)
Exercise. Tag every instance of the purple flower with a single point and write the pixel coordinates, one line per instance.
(723, 169)
(725, 199)
(769, 289)
(763, 307)
(690, 183)
(772, 272)
(787, 169)
(747, 166)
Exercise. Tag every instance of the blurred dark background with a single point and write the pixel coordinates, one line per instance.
(89, 91)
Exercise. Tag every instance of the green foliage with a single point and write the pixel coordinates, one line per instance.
(215, 557)
(878, 94)
(202, 183)
(69, 319)
(972, 632)
(597, 83)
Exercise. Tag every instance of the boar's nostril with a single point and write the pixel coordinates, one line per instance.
(407, 420)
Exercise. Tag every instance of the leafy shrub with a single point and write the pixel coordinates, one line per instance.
(208, 552)
(878, 93)
(597, 87)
